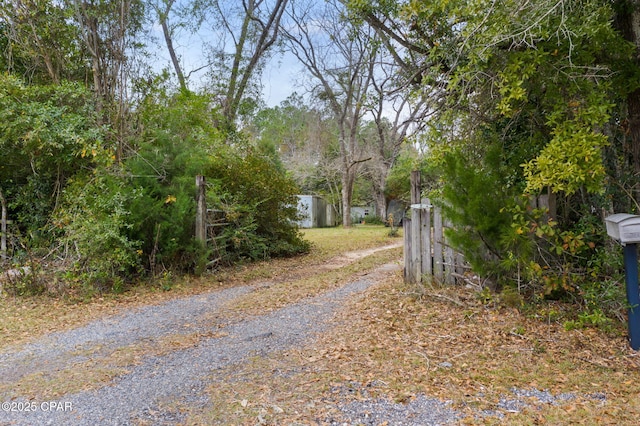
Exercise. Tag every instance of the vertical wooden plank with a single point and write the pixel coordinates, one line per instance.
(425, 237)
(438, 271)
(416, 188)
(201, 210)
(459, 263)
(448, 257)
(416, 250)
(406, 231)
(3, 227)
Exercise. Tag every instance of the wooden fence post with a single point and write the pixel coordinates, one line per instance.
(408, 267)
(3, 228)
(449, 257)
(438, 272)
(425, 217)
(426, 249)
(416, 227)
(201, 210)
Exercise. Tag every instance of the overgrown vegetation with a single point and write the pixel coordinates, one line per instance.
(537, 96)
(111, 222)
(500, 104)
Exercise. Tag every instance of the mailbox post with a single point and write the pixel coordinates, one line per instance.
(626, 229)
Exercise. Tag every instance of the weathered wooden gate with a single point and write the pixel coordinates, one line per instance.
(4, 231)
(209, 222)
(426, 250)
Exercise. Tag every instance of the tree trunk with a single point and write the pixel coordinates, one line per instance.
(628, 22)
(348, 178)
(381, 203)
(261, 34)
(163, 16)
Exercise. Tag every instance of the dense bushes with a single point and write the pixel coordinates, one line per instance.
(159, 180)
(96, 218)
(259, 202)
(474, 197)
(110, 222)
(520, 248)
(47, 134)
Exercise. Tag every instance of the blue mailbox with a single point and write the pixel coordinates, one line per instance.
(626, 229)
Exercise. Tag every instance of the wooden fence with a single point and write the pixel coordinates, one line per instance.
(7, 243)
(209, 222)
(426, 250)
(4, 221)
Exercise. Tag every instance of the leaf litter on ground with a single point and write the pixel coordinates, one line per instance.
(487, 363)
(396, 345)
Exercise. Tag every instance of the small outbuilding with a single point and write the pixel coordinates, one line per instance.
(360, 214)
(315, 212)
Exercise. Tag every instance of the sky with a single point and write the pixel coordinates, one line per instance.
(279, 77)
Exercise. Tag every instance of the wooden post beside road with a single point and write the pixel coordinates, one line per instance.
(416, 228)
(425, 218)
(201, 210)
(3, 228)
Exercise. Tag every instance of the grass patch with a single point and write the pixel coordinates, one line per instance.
(315, 281)
(328, 242)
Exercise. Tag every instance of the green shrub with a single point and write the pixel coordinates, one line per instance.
(95, 220)
(475, 199)
(163, 212)
(248, 186)
(47, 134)
(374, 220)
(259, 202)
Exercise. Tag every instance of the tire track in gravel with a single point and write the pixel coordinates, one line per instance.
(180, 375)
(62, 349)
(59, 350)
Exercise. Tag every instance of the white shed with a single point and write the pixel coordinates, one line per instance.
(315, 212)
(361, 213)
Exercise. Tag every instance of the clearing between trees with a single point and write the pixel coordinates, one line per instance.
(334, 337)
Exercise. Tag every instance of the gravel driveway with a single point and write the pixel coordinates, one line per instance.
(150, 390)
(181, 375)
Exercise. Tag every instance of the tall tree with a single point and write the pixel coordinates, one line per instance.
(535, 93)
(109, 32)
(40, 42)
(243, 36)
(397, 115)
(341, 62)
(305, 141)
(544, 68)
(163, 8)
